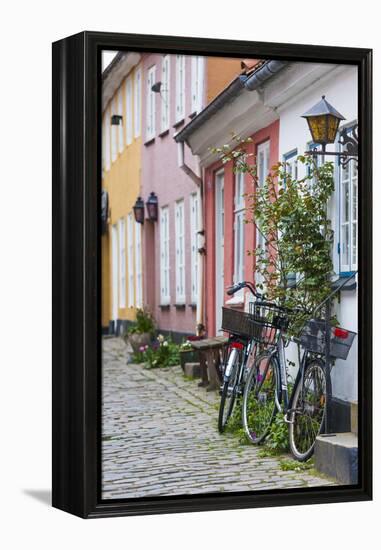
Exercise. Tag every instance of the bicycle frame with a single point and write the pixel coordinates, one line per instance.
(247, 348)
(283, 400)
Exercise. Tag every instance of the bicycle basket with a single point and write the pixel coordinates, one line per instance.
(312, 339)
(267, 321)
(235, 322)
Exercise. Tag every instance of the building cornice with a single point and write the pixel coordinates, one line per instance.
(115, 73)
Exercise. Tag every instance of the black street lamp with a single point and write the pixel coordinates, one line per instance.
(323, 122)
(152, 207)
(139, 210)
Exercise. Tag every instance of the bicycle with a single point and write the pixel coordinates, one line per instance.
(266, 390)
(239, 349)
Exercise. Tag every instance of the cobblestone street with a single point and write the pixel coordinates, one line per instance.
(160, 437)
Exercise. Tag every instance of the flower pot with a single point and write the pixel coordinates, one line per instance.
(188, 356)
(137, 340)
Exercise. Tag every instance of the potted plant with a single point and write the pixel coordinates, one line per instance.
(187, 353)
(141, 332)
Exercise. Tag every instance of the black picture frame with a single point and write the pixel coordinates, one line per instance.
(76, 268)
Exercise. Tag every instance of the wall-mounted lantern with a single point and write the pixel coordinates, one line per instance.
(116, 120)
(152, 207)
(139, 210)
(157, 87)
(323, 122)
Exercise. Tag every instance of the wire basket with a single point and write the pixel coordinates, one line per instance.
(236, 322)
(312, 339)
(267, 321)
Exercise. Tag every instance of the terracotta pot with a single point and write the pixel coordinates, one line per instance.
(139, 339)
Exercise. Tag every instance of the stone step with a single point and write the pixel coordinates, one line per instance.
(192, 370)
(354, 417)
(336, 455)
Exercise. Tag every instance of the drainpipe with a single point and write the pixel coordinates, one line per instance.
(200, 237)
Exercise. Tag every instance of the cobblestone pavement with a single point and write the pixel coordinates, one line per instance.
(160, 437)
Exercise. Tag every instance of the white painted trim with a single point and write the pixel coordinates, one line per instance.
(150, 104)
(193, 207)
(138, 266)
(164, 96)
(137, 102)
(180, 88)
(219, 245)
(164, 256)
(130, 260)
(122, 263)
(129, 111)
(180, 251)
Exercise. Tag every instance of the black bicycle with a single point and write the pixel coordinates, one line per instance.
(267, 390)
(239, 353)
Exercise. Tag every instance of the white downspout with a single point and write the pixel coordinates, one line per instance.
(200, 237)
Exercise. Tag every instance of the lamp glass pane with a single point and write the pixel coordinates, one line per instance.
(318, 127)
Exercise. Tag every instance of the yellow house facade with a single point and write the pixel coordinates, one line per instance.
(122, 273)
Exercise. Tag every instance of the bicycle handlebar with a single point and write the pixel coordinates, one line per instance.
(244, 284)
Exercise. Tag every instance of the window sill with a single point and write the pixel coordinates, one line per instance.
(180, 306)
(192, 305)
(178, 123)
(164, 306)
(236, 301)
(192, 115)
(164, 133)
(350, 285)
(149, 141)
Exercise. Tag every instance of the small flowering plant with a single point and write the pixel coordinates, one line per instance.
(186, 346)
(162, 353)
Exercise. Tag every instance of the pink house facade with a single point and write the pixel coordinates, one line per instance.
(175, 89)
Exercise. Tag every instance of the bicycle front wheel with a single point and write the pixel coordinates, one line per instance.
(308, 410)
(259, 398)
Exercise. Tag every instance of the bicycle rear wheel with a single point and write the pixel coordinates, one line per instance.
(229, 393)
(308, 410)
(259, 398)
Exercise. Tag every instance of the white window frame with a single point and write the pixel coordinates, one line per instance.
(239, 228)
(165, 295)
(122, 262)
(194, 205)
(121, 121)
(151, 104)
(197, 71)
(291, 160)
(107, 141)
(129, 111)
(114, 132)
(165, 86)
(137, 103)
(180, 87)
(138, 266)
(348, 217)
(262, 172)
(130, 260)
(180, 251)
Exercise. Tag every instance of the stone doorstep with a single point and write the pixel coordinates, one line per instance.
(192, 370)
(336, 455)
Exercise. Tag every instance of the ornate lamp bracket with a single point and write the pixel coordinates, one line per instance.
(351, 146)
